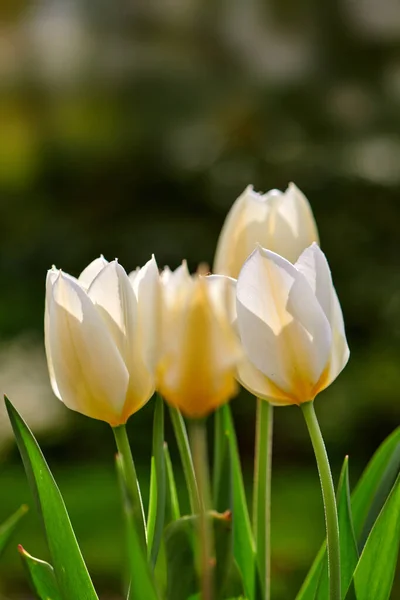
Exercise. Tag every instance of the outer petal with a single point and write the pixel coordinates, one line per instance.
(112, 293)
(245, 225)
(90, 374)
(148, 292)
(284, 331)
(313, 264)
(52, 275)
(197, 370)
(248, 375)
(293, 226)
(91, 271)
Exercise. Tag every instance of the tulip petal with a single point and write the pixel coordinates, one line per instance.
(91, 271)
(284, 330)
(293, 226)
(244, 227)
(259, 385)
(112, 294)
(147, 289)
(197, 370)
(313, 264)
(90, 374)
(52, 275)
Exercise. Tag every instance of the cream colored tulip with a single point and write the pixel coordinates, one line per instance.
(199, 348)
(291, 326)
(99, 338)
(281, 222)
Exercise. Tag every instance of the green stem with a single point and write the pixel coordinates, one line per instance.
(132, 483)
(262, 493)
(198, 436)
(186, 457)
(328, 493)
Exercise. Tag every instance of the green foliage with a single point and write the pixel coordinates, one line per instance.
(41, 576)
(375, 484)
(8, 528)
(369, 493)
(375, 571)
(155, 522)
(348, 544)
(172, 509)
(142, 585)
(243, 541)
(181, 549)
(71, 574)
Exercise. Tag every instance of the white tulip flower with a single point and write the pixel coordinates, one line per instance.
(280, 221)
(291, 326)
(99, 338)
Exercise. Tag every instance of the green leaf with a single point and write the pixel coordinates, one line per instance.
(370, 493)
(173, 512)
(375, 571)
(41, 576)
(186, 456)
(142, 585)
(9, 526)
(221, 469)
(71, 573)
(155, 522)
(348, 544)
(181, 546)
(243, 542)
(374, 485)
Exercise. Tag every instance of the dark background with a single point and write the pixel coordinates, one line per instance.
(130, 127)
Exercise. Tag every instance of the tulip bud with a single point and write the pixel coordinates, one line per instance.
(291, 326)
(281, 222)
(99, 332)
(199, 347)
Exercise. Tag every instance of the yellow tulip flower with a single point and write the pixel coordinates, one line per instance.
(199, 348)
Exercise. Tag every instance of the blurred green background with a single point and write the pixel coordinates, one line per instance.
(129, 127)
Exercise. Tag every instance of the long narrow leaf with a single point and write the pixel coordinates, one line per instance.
(142, 584)
(9, 526)
(375, 484)
(243, 542)
(41, 576)
(173, 511)
(375, 571)
(71, 573)
(221, 468)
(348, 544)
(155, 524)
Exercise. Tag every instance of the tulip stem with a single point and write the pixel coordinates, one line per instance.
(262, 493)
(198, 437)
(328, 493)
(186, 457)
(131, 480)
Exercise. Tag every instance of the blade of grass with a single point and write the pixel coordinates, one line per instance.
(172, 504)
(243, 542)
(9, 526)
(71, 573)
(221, 467)
(155, 522)
(186, 456)
(348, 544)
(41, 576)
(142, 585)
(375, 571)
